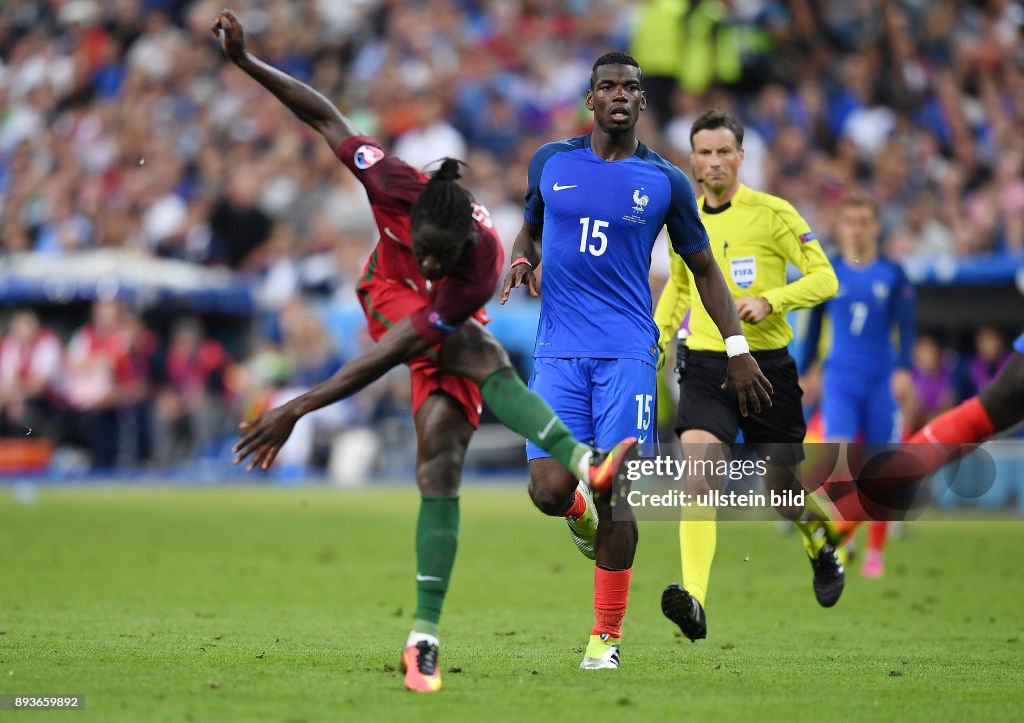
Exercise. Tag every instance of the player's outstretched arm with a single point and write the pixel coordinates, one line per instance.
(265, 435)
(309, 105)
(752, 387)
(526, 254)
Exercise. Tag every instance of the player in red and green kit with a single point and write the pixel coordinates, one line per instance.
(945, 439)
(423, 291)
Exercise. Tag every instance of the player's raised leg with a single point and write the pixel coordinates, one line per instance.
(622, 393)
(604, 400)
(551, 486)
(948, 437)
(473, 352)
(565, 385)
(443, 434)
(554, 491)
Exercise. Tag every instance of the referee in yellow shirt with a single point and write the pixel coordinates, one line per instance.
(752, 235)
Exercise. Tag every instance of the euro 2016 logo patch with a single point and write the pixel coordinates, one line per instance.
(744, 271)
(367, 156)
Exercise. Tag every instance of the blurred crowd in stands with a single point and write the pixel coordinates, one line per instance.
(122, 397)
(124, 127)
(117, 395)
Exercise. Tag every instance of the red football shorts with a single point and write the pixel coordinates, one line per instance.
(385, 304)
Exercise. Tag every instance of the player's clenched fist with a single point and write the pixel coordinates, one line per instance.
(227, 27)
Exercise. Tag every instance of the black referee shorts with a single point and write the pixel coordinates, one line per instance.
(778, 431)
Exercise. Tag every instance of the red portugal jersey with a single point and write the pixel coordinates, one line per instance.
(392, 186)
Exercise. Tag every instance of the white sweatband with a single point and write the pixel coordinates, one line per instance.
(736, 345)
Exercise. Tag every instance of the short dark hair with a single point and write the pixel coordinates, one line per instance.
(443, 203)
(715, 118)
(615, 58)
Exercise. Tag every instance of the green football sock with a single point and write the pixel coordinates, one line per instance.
(437, 537)
(527, 414)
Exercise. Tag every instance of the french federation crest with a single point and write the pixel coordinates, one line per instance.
(881, 290)
(743, 270)
(640, 201)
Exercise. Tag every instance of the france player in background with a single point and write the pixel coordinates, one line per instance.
(595, 205)
(863, 370)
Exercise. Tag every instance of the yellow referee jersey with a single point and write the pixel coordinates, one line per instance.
(752, 238)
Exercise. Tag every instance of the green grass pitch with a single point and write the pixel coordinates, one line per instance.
(238, 604)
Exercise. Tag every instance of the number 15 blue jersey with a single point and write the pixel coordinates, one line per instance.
(601, 219)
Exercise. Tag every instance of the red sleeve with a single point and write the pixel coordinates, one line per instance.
(464, 291)
(389, 181)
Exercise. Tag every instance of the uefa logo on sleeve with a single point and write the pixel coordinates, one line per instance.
(367, 156)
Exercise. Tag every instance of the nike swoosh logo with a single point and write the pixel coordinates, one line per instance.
(391, 233)
(544, 432)
(428, 578)
(556, 187)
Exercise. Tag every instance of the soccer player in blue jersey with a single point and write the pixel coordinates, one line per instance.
(862, 369)
(594, 206)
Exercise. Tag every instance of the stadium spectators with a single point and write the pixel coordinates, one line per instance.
(30, 367)
(990, 355)
(132, 101)
(134, 375)
(96, 354)
(934, 382)
(192, 407)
